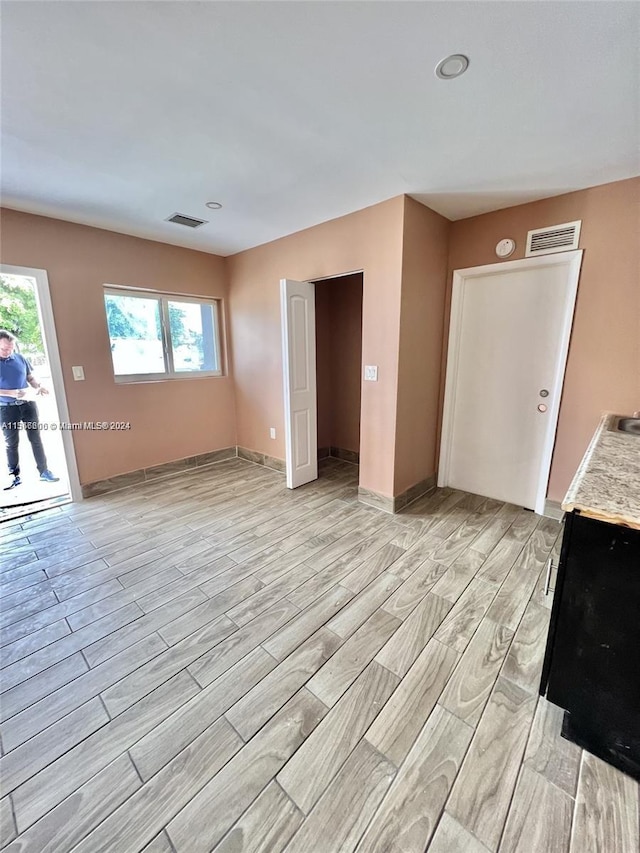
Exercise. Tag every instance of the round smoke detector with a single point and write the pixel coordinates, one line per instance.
(451, 67)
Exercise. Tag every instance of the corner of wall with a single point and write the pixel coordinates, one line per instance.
(425, 248)
(228, 336)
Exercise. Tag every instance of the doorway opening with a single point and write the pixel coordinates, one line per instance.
(338, 304)
(321, 403)
(25, 311)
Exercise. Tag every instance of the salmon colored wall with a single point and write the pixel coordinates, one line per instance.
(346, 361)
(368, 240)
(339, 360)
(603, 368)
(400, 246)
(424, 286)
(169, 420)
(324, 390)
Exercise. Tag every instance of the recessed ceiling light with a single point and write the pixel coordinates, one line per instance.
(452, 66)
(213, 205)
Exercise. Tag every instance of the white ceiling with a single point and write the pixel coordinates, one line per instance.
(118, 114)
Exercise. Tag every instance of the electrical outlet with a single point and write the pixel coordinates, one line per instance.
(272, 432)
(371, 372)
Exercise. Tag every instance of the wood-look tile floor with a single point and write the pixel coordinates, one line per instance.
(213, 662)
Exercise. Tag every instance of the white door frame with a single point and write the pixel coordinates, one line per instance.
(570, 260)
(53, 353)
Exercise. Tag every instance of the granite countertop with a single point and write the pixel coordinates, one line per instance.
(606, 485)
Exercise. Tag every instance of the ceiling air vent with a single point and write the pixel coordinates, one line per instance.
(189, 221)
(556, 238)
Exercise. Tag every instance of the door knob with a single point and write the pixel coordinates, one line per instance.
(542, 407)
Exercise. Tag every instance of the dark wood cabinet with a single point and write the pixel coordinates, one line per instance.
(592, 658)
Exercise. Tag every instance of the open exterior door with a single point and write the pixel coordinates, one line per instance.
(297, 301)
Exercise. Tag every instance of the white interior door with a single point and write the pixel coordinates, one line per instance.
(509, 337)
(297, 300)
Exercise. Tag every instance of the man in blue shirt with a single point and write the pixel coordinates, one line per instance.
(15, 376)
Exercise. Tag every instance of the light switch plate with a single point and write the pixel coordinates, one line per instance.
(272, 432)
(78, 373)
(371, 372)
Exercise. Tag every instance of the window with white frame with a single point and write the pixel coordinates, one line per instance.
(157, 336)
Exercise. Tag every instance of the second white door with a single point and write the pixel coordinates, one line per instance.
(297, 300)
(510, 328)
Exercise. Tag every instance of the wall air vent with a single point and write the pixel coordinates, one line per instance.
(189, 221)
(555, 238)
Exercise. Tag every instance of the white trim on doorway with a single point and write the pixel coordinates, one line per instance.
(298, 360)
(53, 353)
(572, 261)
